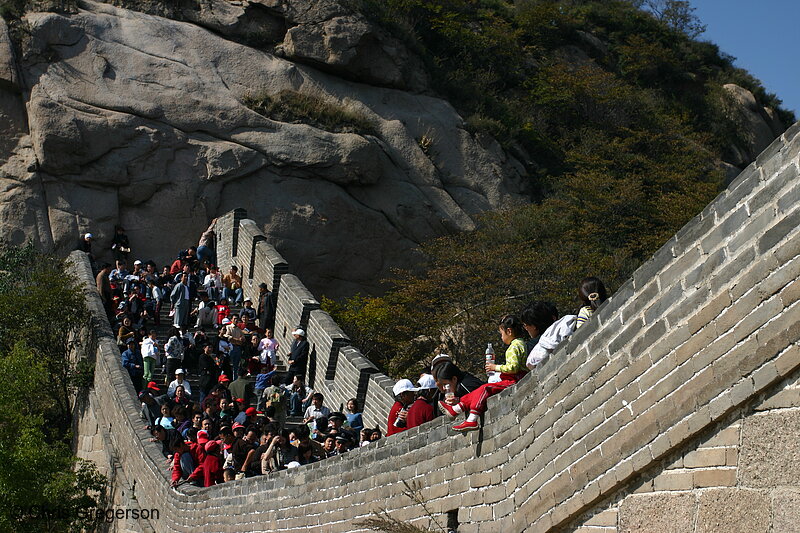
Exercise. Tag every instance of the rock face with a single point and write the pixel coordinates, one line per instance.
(758, 125)
(129, 118)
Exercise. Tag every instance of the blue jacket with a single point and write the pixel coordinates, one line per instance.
(131, 358)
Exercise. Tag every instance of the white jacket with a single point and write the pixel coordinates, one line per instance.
(550, 339)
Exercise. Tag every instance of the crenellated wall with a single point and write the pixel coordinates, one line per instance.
(674, 409)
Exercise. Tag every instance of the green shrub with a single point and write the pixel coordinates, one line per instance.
(291, 106)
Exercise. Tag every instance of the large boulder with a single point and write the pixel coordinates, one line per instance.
(758, 125)
(151, 123)
(329, 34)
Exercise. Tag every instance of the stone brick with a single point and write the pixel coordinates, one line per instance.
(709, 311)
(778, 232)
(715, 477)
(665, 302)
(725, 437)
(770, 448)
(673, 274)
(733, 510)
(705, 457)
(722, 230)
(657, 513)
(606, 518)
(770, 191)
(785, 511)
(672, 480)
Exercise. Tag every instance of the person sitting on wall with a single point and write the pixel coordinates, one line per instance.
(550, 339)
(205, 248)
(451, 379)
(474, 404)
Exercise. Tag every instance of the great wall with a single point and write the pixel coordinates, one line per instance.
(674, 410)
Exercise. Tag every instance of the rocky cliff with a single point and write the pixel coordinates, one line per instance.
(114, 116)
(162, 118)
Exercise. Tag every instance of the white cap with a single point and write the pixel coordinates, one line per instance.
(137, 262)
(300, 332)
(179, 371)
(88, 236)
(426, 381)
(402, 386)
(226, 321)
(247, 300)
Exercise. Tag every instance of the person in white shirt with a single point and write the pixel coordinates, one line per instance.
(150, 355)
(213, 283)
(316, 410)
(179, 380)
(550, 339)
(267, 348)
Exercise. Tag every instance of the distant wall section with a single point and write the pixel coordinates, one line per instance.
(336, 368)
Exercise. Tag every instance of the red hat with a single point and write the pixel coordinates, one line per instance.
(202, 437)
(237, 425)
(250, 411)
(224, 379)
(239, 400)
(153, 386)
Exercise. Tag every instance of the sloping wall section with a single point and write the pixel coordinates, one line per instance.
(673, 410)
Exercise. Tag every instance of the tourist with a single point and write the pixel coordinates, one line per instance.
(592, 293)
(232, 283)
(180, 380)
(473, 404)
(316, 411)
(132, 361)
(421, 410)
(403, 392)
(298, 355)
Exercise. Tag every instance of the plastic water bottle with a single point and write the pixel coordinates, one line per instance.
(489, 353)
(448, 392)
(398, 422)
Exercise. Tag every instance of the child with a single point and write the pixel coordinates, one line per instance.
(592, 293)
(512, 333)
(267, 348)
(542, 323)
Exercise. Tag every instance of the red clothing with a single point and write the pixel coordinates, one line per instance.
(392, 429)
(212, 470)
(223, 311)
(177, 266)
(419, 413)
(177, 473)
(475, 401)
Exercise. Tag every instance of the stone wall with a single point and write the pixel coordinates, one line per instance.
(673, 408)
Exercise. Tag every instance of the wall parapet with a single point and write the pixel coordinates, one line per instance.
(709, 325)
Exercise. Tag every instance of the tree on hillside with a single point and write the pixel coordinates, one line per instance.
(678, 14)
(43, 486)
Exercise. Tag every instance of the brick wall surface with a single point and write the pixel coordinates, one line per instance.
(707, 326)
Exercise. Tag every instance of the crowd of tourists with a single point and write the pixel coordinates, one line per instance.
(234, 422)
(234, 425)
